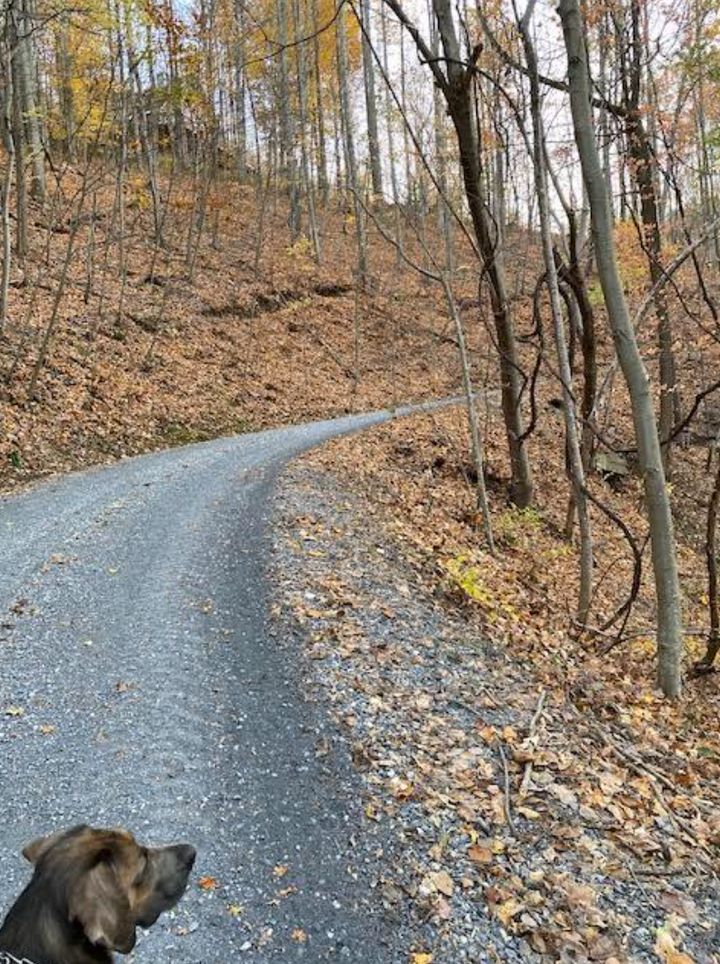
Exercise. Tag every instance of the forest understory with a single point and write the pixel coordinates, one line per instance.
(115, 350)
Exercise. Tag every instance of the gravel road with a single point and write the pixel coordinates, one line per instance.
(140, 686)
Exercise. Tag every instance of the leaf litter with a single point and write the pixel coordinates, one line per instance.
(532, 824)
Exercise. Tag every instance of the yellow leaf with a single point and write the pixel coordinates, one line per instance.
(421, 957)
(299, 935)
(371, 811)
(665, 947)
(280, 870)
(14, 711)
(235, 910)
(507, 910)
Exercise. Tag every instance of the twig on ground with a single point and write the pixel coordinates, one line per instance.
(525, 782)
(657, 780)
(506, 776)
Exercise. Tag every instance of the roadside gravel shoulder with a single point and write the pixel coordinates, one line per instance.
(466, 764)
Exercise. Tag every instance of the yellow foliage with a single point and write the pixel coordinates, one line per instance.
(465, 576)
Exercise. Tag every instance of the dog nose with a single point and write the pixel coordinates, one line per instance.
(187, 855)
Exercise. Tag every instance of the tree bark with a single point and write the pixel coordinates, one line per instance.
(457, 92)
(287, 126)
(349, 146)
(371, 102)
(656, 496)
(642, 171)
(575, 461)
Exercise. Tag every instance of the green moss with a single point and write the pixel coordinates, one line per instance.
(175, 434)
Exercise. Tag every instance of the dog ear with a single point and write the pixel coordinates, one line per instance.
(32, 852)
(99, 903)
(38, 848)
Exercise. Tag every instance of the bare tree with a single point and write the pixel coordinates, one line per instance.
(575, 461)
(371, 101)
(656, 496)
(456, 84)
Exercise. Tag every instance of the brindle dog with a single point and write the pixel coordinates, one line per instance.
(89, 891)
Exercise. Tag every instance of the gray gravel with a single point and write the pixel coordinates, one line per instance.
(413, 682)
(140, 686)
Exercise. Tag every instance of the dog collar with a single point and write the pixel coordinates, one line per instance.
(6, 958)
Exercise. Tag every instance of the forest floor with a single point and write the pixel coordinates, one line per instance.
(551, 786)
(548, 804)
(174, 353)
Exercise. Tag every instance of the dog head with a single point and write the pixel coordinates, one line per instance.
(108, 883)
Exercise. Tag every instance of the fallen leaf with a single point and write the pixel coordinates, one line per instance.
(507, 910)
(665, 946)
(443, 882)
(480, 855)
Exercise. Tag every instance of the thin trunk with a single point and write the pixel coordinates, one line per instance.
(323, 179)
(459, 100)
(656, 495)
(713, 643)
(577, 475)
(445, 216)
(19, 139)
(65, 91)
(25, 69)
(371, 101)
(287, 126)
(475, 437)
(642, 173)
(9, 145)
(302, 118)
(389, 126)
(349, 147)
(240, 89)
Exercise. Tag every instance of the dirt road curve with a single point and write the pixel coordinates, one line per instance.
(140, 686)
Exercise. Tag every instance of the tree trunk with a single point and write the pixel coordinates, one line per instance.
(371, 101)
(713, 644)
(20, 142)
(322, 175)
(656, 496)
(287, 126)
(9, 145)
(349, 147)
(575, 461)
(642, 173)
(25, 70)
(458, 95)
(302, 115)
